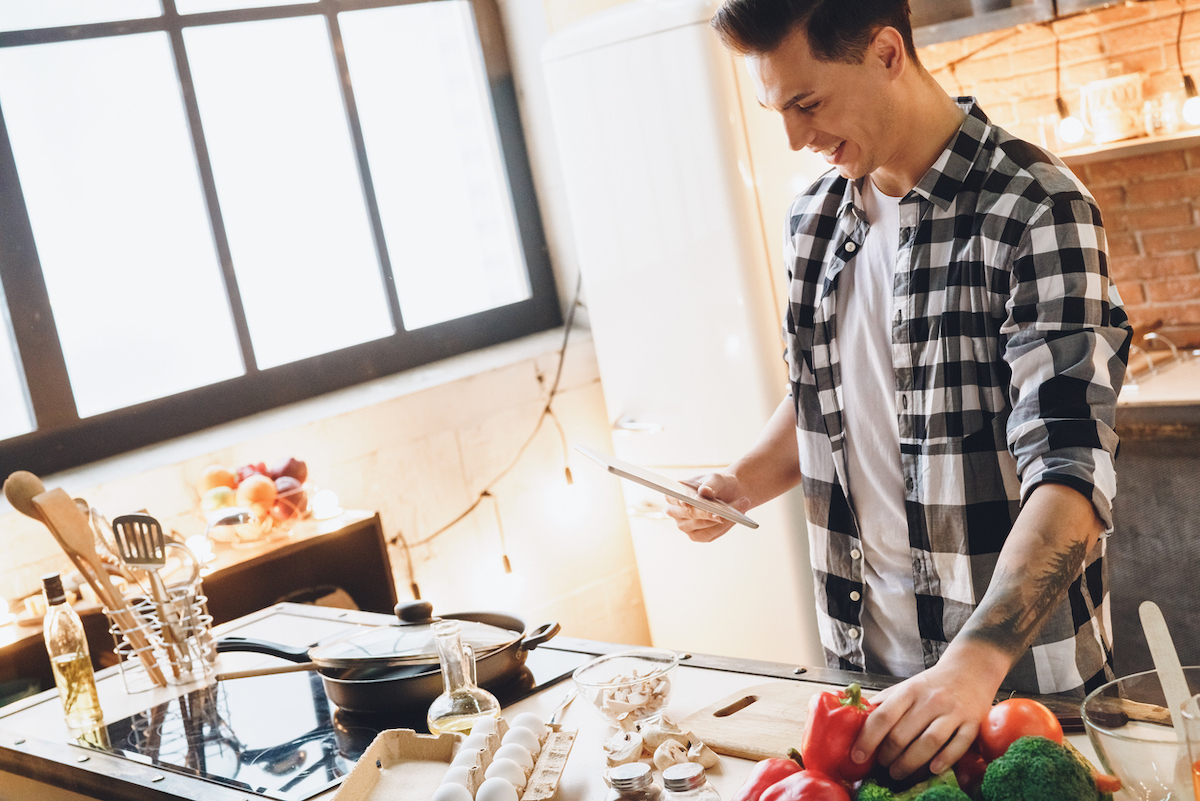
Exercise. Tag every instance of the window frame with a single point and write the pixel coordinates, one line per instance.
(61, 440)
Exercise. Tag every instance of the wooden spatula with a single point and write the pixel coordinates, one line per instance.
(59, 513)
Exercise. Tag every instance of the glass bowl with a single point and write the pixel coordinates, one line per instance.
(1129, 726)
(629, 686)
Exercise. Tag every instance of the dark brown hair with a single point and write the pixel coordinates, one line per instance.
(837, 30)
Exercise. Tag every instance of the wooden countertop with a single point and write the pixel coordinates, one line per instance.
(31, 735)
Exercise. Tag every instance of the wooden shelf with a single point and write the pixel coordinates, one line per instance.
(1125, 148)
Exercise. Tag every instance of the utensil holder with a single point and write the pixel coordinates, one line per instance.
(189, 659)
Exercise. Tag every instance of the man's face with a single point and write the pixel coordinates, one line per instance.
(841, 111)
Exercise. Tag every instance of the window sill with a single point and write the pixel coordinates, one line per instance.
(314, 409)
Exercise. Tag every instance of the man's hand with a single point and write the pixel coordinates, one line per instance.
(933, 717)
(699, 525)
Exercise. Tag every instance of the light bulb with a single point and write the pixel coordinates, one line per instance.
(201, 548)
(324, 505)
(1191, 111)
(1070, 130)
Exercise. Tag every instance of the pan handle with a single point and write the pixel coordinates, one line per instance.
(288, 652)
(540, 635)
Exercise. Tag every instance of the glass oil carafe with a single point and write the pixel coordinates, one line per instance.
(72, 665)
(463, 702)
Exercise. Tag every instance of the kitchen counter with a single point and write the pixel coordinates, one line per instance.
(36, 761)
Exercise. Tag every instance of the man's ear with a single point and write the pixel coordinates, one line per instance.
(887, 48)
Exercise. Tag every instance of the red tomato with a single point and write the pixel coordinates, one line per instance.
(1012, 719)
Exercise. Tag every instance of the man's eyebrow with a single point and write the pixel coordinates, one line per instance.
(793, 101)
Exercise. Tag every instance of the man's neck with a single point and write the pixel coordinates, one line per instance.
(927, 121)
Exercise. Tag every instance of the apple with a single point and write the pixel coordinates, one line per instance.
(252, 469)
(291, 467)
(291, 500)
(217, 498)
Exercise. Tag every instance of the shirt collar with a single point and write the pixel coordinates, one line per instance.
(942, 183)
(946, 177)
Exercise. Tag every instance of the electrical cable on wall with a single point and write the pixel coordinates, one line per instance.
(547, 411)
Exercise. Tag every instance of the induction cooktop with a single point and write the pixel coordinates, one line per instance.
(279, 735)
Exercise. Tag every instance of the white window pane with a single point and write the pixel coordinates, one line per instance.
(122, 232)
(289, 187)
(15, 414)
(448, 220)
(198, 6)
(21, 15)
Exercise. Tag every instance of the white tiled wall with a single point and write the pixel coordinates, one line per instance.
(419, 448)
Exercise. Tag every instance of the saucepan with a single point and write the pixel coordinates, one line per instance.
(395, 668)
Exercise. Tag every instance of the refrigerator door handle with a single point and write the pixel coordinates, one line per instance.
(627, 424)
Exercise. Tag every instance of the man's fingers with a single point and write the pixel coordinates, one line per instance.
(878, 725)
(953, 750)
(919, 749)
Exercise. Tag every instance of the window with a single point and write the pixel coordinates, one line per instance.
(213, 208)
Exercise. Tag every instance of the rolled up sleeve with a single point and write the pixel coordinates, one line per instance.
(1067, 343)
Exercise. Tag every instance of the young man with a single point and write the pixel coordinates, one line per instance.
(955, 351)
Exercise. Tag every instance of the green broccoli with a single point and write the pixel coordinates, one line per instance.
(942, 787)
(1038, 769)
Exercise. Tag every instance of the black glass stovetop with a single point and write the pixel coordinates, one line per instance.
(280, 736)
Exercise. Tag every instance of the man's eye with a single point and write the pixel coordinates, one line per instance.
(809, 107)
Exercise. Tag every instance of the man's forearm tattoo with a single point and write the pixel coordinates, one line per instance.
(1016, 604)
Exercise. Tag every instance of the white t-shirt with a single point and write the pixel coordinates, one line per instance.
(891, 642)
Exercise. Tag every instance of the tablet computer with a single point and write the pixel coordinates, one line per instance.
(666, 486)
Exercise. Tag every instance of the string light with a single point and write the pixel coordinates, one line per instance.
(1070, 127)
(1191, 105)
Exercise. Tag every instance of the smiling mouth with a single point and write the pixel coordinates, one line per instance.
(829, 153)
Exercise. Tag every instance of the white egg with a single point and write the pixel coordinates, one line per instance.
(451, 792)
(481, 741)
(484, 726)
(496, 789)
(506, 769)
(517, 754)
(468, 757)
(458, 774)
(524, 738)
(528, 720)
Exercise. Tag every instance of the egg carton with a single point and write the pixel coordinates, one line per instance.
(402, 765)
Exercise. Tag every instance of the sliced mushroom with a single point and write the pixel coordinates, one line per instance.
(671, 752)
(623, 747)
(656, 733)
(701, 753)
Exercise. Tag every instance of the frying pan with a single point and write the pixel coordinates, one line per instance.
(383, 689)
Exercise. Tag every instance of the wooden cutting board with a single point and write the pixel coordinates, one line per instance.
(759, 722)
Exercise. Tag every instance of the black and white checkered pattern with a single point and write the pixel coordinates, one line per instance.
(1009, 345)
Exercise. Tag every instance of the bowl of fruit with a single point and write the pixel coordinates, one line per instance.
(275, 498)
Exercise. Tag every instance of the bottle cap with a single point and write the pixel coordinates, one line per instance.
(631, 776)
(683, 776)
(52, 585)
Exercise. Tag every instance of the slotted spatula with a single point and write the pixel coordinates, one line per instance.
(143, 545)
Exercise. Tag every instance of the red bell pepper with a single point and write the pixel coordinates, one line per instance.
(764, 774)
(834, 722)
(969, 769)
(805, 785)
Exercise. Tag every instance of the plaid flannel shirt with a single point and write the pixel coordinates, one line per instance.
(1009, 347)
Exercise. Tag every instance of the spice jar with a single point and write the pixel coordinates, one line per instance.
(686, 781)
(633, 781)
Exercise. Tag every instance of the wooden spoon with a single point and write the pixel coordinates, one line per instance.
(58, 512)
(1174, 685)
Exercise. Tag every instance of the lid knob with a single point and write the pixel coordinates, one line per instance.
(415, 612)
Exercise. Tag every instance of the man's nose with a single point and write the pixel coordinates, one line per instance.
(799, 132)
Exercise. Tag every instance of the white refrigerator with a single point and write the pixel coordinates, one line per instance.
(678, 184)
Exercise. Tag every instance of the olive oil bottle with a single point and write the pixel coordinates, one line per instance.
(69, 658)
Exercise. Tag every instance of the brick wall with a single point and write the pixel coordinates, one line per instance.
(1150, 201)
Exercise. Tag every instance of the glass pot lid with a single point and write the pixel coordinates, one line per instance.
(407, 644)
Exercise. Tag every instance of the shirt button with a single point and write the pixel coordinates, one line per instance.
(899, 317)
(851, 247)
(908, 483)
(852, 634)
(904, 401)
(855, 553)
(854, 596)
